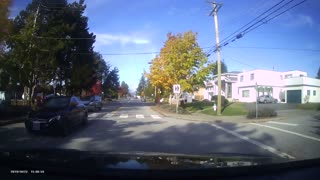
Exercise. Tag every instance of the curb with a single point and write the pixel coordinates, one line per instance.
(8, 122)
(200, 119)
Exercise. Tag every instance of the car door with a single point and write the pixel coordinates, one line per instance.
(74, 111)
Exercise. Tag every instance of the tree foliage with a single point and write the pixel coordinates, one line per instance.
(318, 74)
(141, 86)
(224, 68)
(111, 83)
(124, 89)
(5, 24)
(51, 42)
(181, 61)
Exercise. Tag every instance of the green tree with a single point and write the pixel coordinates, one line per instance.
(57, 47)
(224, 68)
(141, 86)
(5, 25)
(318, 74)
(124, 89)
(111, 83)
(181, 61)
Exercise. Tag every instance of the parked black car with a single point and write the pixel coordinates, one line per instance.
(58, 114)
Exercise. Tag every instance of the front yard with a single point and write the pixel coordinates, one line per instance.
(232, 109)
(309, 106)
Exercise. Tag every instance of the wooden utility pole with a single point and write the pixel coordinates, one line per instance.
(214, 11)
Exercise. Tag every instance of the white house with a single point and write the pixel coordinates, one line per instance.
(289, 87)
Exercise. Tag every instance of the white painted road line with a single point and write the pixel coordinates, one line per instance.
(139, 116)
(155, 117)
(282, 123)
(123, 115)
(261, 145)
(108, 115)
(290, 132)
(93, 115)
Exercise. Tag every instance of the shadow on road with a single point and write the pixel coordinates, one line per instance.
(152, 136)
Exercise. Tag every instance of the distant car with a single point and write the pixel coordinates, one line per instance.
(92, 103)
(57, 114)
(266, 99)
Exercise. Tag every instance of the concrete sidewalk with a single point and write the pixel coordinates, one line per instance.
(208, 118)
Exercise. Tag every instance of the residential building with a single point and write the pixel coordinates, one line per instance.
(288, 87)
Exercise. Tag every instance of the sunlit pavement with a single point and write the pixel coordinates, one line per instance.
(131, 125)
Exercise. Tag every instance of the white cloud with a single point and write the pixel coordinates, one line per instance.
(299, 20)
(108, 39)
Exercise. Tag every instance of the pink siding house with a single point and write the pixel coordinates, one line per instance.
(287, 87)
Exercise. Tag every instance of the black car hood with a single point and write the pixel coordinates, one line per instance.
(129, 160)
(45, 113)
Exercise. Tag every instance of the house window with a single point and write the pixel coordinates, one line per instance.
(308, 92)
(314, 93)
(281, 77)
(245, 93)
(241, 78)
(288, 76)
(251, 76)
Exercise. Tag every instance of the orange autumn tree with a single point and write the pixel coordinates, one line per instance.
(181, 61)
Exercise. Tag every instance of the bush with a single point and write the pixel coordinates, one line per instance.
(172, 108)
(262, 113)
(224, 101)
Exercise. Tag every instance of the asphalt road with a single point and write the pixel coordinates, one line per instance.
(131, 125)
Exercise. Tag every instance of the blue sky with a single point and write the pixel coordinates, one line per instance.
(124, 26)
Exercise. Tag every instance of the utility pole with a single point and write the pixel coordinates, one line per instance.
(214, 11)
(30, 46)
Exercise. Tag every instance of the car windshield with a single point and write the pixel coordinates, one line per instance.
(193, 77)
(57, 102)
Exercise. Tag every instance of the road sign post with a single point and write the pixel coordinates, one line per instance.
(176, 91)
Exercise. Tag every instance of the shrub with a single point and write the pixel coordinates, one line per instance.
(224, 101)
(262, 113)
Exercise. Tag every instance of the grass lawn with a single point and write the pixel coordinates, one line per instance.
(309, 106)
(234, 109)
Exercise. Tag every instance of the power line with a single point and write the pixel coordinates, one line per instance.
(278, 15)
(124, 54)
(235, 32)
(240, 62)
(274, 48)
(252, 27)
(58, 38)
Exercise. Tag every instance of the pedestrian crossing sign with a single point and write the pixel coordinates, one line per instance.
(176, 88)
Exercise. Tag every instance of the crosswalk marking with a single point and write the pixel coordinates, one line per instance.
(155, 117)
(93, 115)
(282, 123)
(108, 115)
(124, 116)
(286, 131)
(139, 116)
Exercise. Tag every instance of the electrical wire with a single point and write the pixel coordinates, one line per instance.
(124, 54)
(254, 26)
(274, 48)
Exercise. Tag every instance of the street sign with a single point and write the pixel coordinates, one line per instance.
(176, 88)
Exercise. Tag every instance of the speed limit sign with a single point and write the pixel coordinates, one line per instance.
(176, 88)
